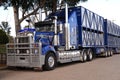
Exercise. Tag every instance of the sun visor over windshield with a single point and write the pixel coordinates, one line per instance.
(44, 23)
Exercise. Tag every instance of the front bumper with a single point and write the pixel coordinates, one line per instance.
(25, 55)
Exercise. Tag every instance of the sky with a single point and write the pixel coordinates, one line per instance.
(109, 9)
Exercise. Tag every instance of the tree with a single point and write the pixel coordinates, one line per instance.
(24, 5)
(53, 4)
(33, 6)
(3, 37)
(5, 27)
(3, 40)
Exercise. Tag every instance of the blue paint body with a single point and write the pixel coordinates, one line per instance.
(87, 30)
(86, 27)
(46, 38)
(112, 35)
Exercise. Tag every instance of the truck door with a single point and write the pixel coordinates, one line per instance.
(73, 36)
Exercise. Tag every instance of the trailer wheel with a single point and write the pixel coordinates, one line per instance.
(106, 53)
(50, 62)
(89, 55)
(111, 53)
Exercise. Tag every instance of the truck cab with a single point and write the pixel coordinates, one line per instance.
(35, 48)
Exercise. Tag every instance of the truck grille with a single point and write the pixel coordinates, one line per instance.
(23, 52)
(22, 40)
(23, 45)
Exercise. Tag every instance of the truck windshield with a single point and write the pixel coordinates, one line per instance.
(45, 28)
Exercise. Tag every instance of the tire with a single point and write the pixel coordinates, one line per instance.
(83, 56)
(89, 55)
(111, 53)
(106, 53)
(50, 62)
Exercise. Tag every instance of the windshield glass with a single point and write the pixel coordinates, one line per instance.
(45, 28)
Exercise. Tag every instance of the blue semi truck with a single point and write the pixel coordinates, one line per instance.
(70, 34)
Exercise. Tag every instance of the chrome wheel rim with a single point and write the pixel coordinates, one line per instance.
(90, 56)
(85, 56)
(106, 54)
(51, 61)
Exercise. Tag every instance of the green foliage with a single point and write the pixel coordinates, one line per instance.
(52, 4)
(3, 37)
(2, 48)
(29, 4)
(74, 2)
(33, 6)
(5, 27)
(27, 26)
(24, 4)
(11, 39)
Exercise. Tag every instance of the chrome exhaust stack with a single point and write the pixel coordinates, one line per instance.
(56, 40)
(67, 30)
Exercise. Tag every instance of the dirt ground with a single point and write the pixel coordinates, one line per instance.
(98, 69)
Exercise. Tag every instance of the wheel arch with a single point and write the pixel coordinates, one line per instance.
(49, 49)
(53, 52)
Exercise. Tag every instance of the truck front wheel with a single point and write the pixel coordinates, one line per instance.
(50, 62)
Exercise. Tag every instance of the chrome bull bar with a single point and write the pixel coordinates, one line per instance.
(24, 55)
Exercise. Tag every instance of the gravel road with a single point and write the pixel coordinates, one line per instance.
(98, 69)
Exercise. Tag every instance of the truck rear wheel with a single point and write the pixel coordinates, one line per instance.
(50, 62)
(89, 55)
(83, 56)
(106, 53)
